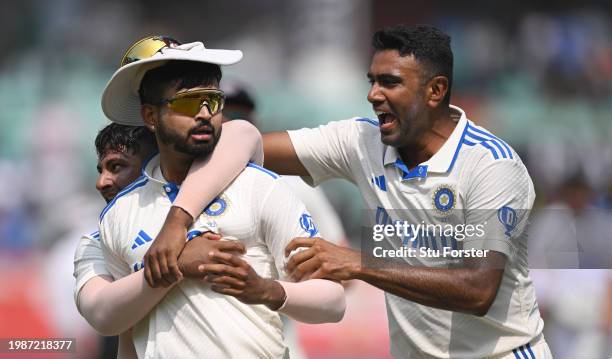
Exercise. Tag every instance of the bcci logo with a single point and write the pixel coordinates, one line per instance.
(217, 207)
(308, 225)
(444, 199)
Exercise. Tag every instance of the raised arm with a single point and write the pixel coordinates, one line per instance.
(240, 143)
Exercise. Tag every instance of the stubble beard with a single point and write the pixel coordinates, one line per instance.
(181, 144)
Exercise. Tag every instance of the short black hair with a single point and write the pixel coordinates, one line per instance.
(429, 45)
(178, 73)
(122, 138)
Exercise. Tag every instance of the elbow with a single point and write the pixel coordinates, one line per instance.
(483, 303)
(337, 308)
(104, 326)
(339, 314)
(102, 323)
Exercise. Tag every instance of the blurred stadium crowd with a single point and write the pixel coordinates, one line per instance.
(538, 75)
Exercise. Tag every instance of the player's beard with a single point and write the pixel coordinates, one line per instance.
(181, 144)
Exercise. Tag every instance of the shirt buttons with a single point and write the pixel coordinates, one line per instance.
(168, 189)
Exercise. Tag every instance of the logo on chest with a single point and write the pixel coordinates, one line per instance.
(141, 239)
(444, 199)
(217, 207)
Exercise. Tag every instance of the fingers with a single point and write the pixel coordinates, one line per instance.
(231, 246)
(211, 236)
(229, 259)
(305, 269)
(147, 271)
(227, 291)
(175, 273)
(298, 242)
(164, 271)
(155, 272)
(226, 281)
(298, 258)
(223, 269)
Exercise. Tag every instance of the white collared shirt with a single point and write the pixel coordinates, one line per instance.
(88, 261)
(475, 178)
(192, 321)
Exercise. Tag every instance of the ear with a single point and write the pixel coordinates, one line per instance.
(149, 115)
(437, 88)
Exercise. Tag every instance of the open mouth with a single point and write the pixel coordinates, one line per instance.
(386, 120)
(202, 133)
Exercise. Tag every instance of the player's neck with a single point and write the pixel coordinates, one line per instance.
(174, 165)
(430, 143)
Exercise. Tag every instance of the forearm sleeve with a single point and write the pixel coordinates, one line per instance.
(114, 307)
(240, 142)
(314, 301)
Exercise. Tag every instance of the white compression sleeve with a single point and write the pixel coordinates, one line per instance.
(314, 301)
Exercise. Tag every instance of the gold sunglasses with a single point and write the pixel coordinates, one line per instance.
(189, 103)
(146, 48)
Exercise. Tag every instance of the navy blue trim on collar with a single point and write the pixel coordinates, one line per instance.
(171, 190)
(417, 172)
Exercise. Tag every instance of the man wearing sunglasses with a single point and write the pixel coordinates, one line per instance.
(175, 94)
(111, 306)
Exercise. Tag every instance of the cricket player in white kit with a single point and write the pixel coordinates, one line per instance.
(423, 161)
(225, 318)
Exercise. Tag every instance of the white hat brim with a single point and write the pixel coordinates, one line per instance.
(120, 99)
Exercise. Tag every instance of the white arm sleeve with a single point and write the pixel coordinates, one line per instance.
(314, 301)
(114, 307)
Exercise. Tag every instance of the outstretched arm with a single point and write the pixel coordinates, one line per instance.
(469, 290)
(240, 143)
(280, 154)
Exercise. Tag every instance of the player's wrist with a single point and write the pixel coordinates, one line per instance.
(179, 217)
(356, 270)
(274, 294)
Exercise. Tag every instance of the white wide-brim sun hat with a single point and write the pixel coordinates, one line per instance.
(120, 99)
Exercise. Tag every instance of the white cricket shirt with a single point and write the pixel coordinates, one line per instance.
(475, 178)
(88, 261)
(192, 321)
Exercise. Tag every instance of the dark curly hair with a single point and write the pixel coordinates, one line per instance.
(121, 138)
(430, 46)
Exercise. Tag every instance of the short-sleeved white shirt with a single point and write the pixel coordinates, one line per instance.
(474, 178)
(88, 261)
(192, 321)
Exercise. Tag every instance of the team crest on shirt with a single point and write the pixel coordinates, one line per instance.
(217, 207)
(444, 199)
